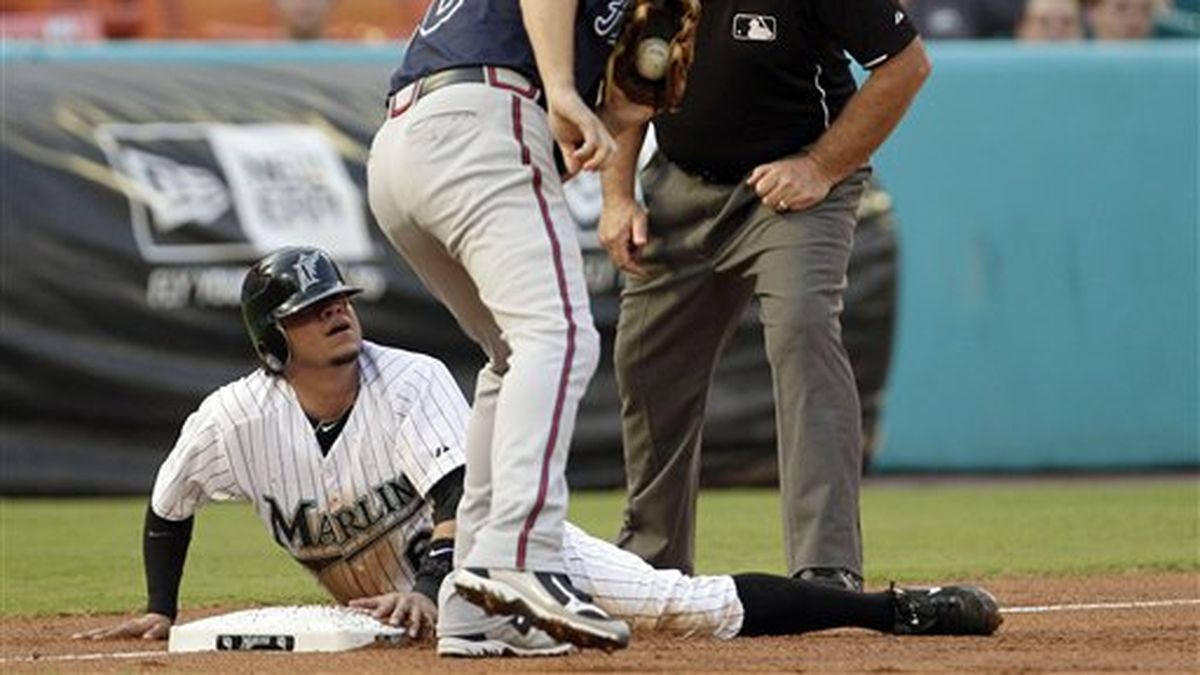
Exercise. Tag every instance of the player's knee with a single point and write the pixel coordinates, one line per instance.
(548, 344)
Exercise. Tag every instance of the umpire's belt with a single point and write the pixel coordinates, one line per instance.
(495, 76)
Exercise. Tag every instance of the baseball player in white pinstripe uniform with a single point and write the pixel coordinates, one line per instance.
(352, 454)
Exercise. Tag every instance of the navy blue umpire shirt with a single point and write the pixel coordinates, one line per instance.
(458, 33)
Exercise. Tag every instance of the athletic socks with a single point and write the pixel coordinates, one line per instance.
(776, 605)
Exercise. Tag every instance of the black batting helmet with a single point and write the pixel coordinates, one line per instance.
(282, 284)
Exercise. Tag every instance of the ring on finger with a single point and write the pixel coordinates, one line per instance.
(781, 205)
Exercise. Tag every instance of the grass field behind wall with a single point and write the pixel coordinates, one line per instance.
(84, 555)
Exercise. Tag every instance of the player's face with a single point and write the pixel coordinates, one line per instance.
(325, 334)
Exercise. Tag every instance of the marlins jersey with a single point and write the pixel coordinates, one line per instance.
(458, 33)
(356, 517)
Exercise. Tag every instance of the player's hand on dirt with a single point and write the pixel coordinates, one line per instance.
(623, 232)
(791, 184)
(585, 142)
(413, 611)
(148, 626)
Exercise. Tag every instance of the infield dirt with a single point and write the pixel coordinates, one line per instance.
(1165, 638)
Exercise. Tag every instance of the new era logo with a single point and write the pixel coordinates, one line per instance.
(218, 193)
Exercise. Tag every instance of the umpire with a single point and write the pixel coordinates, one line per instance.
(752, 195)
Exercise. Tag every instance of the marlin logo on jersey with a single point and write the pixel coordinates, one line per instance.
(306, 270)
(318, 538)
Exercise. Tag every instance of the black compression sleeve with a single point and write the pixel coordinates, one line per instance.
(446, 494)
(786, 606)
(164, 550)
(436, 564)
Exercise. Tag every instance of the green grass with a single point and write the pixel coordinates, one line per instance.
(84, 555)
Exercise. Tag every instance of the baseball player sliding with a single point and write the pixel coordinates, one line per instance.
(352, 454)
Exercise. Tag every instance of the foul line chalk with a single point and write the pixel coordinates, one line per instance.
(83, 657)
(1099, 605)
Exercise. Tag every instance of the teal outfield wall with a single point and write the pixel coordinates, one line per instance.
(1048, 200)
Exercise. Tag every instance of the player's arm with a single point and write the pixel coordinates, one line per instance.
(417, 610)
(196, 469)
(585, 142)
(439, 560)
(164, 551)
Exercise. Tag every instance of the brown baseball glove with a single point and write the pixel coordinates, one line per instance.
(654, 51)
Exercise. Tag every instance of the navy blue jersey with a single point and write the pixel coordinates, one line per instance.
(491, 32)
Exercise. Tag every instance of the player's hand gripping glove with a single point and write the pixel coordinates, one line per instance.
(652, 55)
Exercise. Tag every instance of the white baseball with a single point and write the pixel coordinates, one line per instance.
(653, 55)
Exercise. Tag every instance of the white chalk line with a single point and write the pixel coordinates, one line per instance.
(1030, 609)
(1038, 609)
(83, 657)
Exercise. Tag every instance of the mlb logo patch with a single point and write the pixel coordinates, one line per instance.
(754, 27)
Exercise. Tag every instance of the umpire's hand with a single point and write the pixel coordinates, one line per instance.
(791, 184)
(148, 626)
(623, 232)
(414, 611)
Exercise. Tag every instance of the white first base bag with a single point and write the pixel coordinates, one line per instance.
(310, 628)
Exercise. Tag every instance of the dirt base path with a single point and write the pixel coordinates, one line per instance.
(1119, 622)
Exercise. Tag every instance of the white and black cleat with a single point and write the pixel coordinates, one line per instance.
(515, 637)
(549, 601)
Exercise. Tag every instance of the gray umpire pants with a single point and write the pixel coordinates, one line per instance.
(714, 247)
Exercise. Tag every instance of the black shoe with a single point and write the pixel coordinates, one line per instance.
(833, 577)
(948, 610)
(549, 601)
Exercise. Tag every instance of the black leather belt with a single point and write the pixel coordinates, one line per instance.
(445, 78)
(501, 78)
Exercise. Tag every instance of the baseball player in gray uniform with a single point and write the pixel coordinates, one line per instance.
(352, 454)
(463, 181)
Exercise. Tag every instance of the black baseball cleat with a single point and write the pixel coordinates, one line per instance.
(548, 600)
(945, 610)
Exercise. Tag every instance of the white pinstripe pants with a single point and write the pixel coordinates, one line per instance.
(629, 589)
